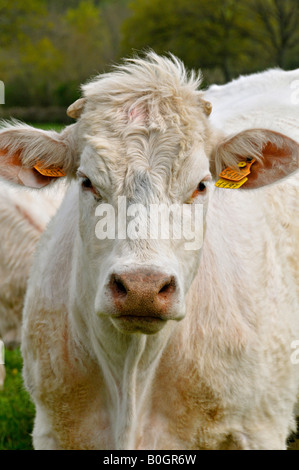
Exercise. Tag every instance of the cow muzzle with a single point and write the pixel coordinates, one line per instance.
(143, 300)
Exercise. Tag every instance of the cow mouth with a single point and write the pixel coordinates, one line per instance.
(139, 324)
(146, 318)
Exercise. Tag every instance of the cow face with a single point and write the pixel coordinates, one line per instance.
(143, 200)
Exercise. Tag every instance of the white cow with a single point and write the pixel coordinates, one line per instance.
(140, 343)
(2, 375)
(23, 217)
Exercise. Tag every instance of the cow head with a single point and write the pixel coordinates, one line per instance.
(142, 144)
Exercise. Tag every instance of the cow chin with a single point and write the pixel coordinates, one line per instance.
(130, 324)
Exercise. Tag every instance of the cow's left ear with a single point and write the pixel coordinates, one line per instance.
(34, 157)
(277, 156)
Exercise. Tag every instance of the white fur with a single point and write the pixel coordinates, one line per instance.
(23, 217)
(221, 378)
(266, 100)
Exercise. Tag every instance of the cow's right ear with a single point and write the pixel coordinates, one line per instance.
(35, 158)
(276, 155)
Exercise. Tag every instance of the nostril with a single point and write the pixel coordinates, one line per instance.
(120, 287)
(167, 289)
(117, 287)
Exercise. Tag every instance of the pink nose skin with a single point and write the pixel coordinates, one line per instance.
(143, 294)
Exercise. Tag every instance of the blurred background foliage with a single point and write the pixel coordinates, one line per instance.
(49, 47)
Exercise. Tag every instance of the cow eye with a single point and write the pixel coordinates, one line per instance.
(201, 187)
(87, 184)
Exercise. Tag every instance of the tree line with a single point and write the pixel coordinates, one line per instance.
(49, 47)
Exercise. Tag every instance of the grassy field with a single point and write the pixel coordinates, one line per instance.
(16, 409)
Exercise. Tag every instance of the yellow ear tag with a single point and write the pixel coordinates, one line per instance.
(234, 179)
(51, 172)
(222, 183)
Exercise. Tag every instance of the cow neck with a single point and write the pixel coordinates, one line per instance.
(129, 363)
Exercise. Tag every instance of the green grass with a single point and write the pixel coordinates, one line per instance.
(16, 409)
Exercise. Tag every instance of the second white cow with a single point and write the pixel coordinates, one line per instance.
(23, 217)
